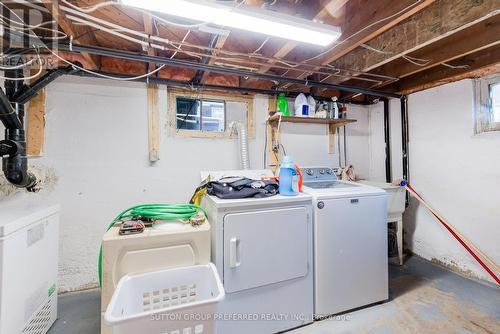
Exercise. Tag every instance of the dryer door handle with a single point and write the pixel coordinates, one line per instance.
(234, 253)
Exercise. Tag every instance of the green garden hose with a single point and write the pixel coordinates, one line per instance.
(170, 212)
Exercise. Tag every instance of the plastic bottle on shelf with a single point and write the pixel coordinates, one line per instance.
(335, 109)
(312, 105)
(289, 178)
(283, 105)
(301, 106)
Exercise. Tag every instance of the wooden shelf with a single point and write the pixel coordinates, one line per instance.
(273, 132)
(311, 120)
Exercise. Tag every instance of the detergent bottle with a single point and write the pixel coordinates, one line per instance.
(289, 178)
(283, 105)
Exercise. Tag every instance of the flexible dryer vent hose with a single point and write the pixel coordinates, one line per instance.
(241, 129)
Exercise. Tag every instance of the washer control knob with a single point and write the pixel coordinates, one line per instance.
(321, 205)
(322, 172)
(309, 172)
(329, 172)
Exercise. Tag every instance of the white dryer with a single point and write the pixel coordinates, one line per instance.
(262, 248)
(350, 242)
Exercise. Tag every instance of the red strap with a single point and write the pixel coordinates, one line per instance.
(492, 274)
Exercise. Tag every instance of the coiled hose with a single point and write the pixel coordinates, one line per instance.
(170, 212)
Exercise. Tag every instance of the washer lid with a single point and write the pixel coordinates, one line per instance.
(19, 213)
(339, 189)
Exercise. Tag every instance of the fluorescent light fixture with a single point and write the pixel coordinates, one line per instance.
(247, 18)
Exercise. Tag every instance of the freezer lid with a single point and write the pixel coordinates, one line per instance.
(18, 213)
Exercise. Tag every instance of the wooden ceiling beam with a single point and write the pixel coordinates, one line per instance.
(479, 36)
(219, 44)
(81, 34)
(368, 21)
(329, 7)
(439, 20)
(479, 63)
(363, 26)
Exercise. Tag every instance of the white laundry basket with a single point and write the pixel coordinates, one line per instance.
(174, 301)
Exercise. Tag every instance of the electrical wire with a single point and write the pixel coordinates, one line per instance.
(337, 44)
(104, 75)
(366, 46)
(455, 66)
(72, 64)
(40, 70)
(261, 45)
(417, 61)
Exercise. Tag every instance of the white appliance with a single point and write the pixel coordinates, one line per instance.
(165, 245)
(350, 242)
(29, 245)
(262, 248)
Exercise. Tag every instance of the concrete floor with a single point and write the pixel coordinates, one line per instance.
(425, 298)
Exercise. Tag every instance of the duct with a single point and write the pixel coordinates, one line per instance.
(241, 130)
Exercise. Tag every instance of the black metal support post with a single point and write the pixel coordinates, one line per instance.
(387, 136)
(404, 128)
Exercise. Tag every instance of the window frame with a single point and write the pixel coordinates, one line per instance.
(174, 93)
(483, 105)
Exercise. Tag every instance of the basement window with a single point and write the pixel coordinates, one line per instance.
(203, 114)
(487, 104)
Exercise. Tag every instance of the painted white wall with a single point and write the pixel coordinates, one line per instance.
(457, 172)
(96, 161)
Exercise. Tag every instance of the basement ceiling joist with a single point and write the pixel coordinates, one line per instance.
(438, 30)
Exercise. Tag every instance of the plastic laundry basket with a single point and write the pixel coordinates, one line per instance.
(175, 301)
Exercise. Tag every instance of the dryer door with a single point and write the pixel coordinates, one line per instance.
(265, 247)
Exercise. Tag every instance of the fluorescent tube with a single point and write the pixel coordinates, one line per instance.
(245, 18)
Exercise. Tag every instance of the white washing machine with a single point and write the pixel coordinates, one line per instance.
(164, 245)
(350, 242)
(262, 248)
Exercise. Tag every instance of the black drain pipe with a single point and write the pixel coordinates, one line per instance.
(13, 148)
(387, 136)
(404, 128)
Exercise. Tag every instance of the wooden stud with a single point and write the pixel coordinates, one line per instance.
(36, 125)
(153, 123)
(331, 138)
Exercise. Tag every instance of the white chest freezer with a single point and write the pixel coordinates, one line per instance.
(29, 239)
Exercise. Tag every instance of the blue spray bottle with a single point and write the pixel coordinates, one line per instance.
(289, 178)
